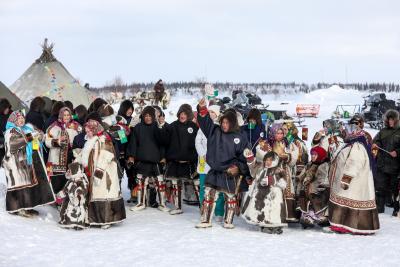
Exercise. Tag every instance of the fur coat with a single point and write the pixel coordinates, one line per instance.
(264, 202)
(106, 205)
(352, 204)
(27, 182)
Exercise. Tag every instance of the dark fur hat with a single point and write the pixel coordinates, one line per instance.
(187, 109)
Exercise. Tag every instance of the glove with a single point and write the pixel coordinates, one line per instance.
(233, 170)
(248, 154)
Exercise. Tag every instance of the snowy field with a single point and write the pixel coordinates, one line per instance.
(153, 238)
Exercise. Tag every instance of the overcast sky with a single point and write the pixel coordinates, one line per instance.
(249, 41)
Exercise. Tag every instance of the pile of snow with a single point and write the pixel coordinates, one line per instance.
(153, 238)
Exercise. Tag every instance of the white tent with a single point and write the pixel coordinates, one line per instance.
(15, 102)
(48, 77)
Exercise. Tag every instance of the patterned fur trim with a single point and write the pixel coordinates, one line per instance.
(354, 204)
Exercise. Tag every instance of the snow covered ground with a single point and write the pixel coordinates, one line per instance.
(153, 238)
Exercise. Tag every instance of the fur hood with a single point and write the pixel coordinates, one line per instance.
(151, 111)
(275, 160)
(392, 114)
(187, 109)
(232, 119)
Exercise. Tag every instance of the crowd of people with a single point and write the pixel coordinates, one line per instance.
(74, 159)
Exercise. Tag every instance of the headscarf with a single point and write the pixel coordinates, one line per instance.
(272, 132)
(94, 126)
(25, 129)
(60, 121)
(320, 152)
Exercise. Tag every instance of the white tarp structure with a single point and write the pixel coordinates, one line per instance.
(15, 102)
(48, 77)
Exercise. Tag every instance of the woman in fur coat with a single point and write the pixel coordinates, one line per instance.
(106, 205)
(264, 203)
(352, 207)
(288, 154)
(313, 190)
(27, 182)
(59, 139)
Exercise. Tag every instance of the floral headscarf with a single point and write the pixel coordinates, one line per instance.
(94, 126)
(272, 132)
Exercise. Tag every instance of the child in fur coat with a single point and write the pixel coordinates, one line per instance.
(73, 213)
(313, 190)
(264, 203)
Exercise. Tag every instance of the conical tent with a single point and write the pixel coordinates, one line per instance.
(48, 77)
(16, 103)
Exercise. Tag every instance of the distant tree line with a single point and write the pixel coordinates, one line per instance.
(117, 85)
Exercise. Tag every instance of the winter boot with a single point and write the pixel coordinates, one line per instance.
(207, 209)
(396, 207)
(24, 213)
(177, 197)
(32, 212)
(267, 230)
(230, 208)
(380, 201)
(306, 221)
(277, 230)
(160, 187)
(133, 198)
(142, 192)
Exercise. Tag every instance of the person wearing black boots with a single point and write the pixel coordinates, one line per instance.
(386, 145)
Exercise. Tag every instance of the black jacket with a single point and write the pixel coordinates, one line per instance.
(50, 121)
(36, 119)
(223, 151)
(388, 139)
(179, 139)
(145, 143)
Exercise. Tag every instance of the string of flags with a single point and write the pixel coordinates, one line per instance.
(55, 89)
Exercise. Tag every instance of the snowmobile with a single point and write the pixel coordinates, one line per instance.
(375, 107)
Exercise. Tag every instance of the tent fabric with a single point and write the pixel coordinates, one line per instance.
(50, 79)
(16, 103)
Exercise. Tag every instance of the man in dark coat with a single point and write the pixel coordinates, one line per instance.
(229, 171)
(254, 129)
(144, 150)
(387, 145)
(35, 115)
(180, 153)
